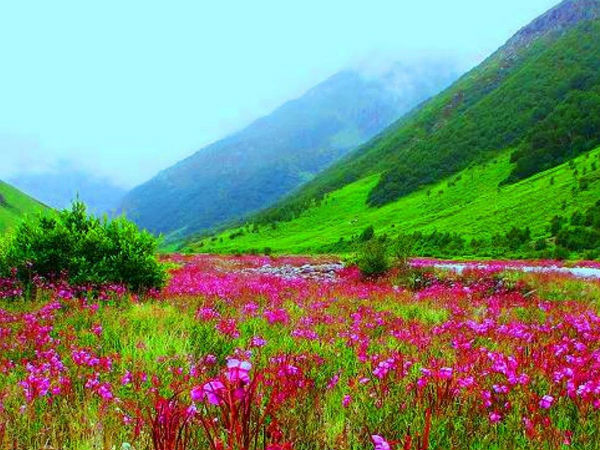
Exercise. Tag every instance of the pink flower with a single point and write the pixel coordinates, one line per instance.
(126, 379)
(210, 360)
(237, 371)
(495, 417)
(105, 392)
(445, 373)
(346, 401)
(213, 391)
(379, 443)
(546, 401)
(257, 341)
(197, 393)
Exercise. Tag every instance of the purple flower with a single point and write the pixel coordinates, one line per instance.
(213, 391)
(495, 417)
(346, 401)
(445, 373)
(380, 443)
(238, 371)
(546, 402)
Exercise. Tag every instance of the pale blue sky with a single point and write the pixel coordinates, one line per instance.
(126, 88)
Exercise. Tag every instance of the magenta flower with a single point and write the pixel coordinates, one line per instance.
(238, 371)
(380, 443)
(105, 392)
(213, 391)
(126, 379)
(257, 341)
(546, 402)
(346, 401)
(495, 417)
(445, 373)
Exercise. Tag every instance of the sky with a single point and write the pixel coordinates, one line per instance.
(124, 89)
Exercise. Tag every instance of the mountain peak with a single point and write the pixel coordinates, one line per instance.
(562, 17)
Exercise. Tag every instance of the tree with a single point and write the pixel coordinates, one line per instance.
(367, 234)
(85, 249)
(372, 258)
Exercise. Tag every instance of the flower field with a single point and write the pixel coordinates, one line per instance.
(233, 356)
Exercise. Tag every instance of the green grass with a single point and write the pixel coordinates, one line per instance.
(470, 203)
(14, 205)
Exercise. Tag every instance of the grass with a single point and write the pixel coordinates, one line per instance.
(471, 203)
(14, 205)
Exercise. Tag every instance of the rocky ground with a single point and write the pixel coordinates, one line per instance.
(324, 271)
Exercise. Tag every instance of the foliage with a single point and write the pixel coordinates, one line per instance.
(572, 128)
(372, 258)
(367, 234)
(403, 248)
(85, 249)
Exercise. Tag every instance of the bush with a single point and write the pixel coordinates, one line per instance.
(403, 248)
(372, 259)
(85, 249)
(367, 234)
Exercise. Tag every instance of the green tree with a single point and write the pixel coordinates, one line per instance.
(85, 249)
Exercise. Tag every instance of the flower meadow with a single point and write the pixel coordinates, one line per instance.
(233, 357)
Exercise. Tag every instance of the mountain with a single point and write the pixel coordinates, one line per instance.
(14, 205)
(534, 104)
(469, 203)
(255, 167)
(59, 188)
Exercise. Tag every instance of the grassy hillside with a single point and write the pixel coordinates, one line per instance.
(472, 203)
(540, 98)
(14, 205)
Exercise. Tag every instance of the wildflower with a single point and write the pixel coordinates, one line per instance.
(105, 392)
(495, 417)
(238, 371)
(126, 379)
(546, 402)
(257, 341)
(380, 443)
(213, 391)
(346, 401)
(445, 373)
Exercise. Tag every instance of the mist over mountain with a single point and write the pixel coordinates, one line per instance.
(59, 188)
(255, 167)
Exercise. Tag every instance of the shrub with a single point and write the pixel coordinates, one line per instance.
(372, 259)
(403, 249)
(85, 249)
(367, 234)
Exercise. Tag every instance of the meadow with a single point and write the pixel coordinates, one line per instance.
(473, 201)
(298, 353)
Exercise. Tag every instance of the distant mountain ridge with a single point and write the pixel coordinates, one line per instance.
(59, 188)
(255, 167)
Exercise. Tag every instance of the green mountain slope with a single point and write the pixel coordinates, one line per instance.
(255, 167)
(471, 202)
(538, 95)
(14, 205)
